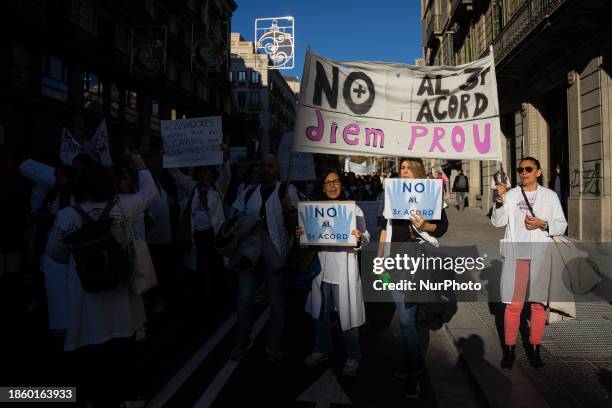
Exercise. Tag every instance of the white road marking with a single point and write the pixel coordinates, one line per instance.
(190, 366)
(215, 387)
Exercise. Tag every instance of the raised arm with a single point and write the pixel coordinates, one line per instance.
(224, 179)
(182, 181)
(134, 204)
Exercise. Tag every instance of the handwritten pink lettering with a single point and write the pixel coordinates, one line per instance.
(458, 138)
(351, 130)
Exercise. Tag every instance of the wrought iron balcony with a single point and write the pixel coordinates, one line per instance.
(459, 8)
(528, 16)
(431, 28)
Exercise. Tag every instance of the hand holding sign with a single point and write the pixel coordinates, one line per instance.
(342, 224)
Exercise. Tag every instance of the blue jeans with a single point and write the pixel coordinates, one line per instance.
(329, 300)
(460, 196)
(247, 286)
(408, 331)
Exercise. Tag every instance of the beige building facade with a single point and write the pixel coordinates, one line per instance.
(554, 75)
(262, 99)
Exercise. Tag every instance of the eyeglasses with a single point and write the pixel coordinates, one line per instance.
(528, 169)
(332, 183)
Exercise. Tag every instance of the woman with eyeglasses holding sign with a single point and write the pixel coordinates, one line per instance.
(531, 214)
(413, 230)
(337, 287)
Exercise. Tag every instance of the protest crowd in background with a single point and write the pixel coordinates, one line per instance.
(38, 215)
(103, 244)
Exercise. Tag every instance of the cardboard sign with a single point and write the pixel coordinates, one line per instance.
(97, 147)
(406, 197)
(390, 109)
(192, 142)
(302, 164)
(327, 223)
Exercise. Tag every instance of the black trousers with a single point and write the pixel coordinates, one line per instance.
(210, 271)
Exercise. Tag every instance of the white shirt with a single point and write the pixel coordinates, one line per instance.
(522, 234)
(201, 219)
(331, 264)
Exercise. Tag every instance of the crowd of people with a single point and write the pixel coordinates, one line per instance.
(215, 218)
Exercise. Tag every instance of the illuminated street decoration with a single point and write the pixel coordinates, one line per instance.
(148, 50)
(209, 46)
(275, 37)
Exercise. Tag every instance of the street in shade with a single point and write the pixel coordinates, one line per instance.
(209, 378)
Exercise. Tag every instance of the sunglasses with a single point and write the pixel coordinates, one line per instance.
(527, 169)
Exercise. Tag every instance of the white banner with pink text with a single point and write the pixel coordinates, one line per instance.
(391, 109)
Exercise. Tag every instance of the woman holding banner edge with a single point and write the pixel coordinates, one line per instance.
(337, 286)
(414, 230)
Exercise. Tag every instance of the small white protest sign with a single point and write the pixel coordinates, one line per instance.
(406, 197)
(192, 142)
(327, 222)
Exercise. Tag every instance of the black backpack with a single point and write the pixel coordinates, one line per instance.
(101, 262)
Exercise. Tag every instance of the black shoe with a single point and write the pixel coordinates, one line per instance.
(535, 359)
(508, 358)
(413, 388)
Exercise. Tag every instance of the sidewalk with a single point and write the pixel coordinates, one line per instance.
(577, 354)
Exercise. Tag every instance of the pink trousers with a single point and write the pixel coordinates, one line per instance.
(512, 314)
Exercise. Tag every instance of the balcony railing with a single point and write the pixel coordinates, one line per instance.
(431, 28)
(529, 15)
(455, 4)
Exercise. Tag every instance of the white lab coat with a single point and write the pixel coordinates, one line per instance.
(275, 218)
(94, 318)
(351, 309)
(215, 205)
(547, 208)
(56, 284)
(161, 231)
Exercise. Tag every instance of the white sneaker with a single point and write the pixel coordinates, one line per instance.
(315, 358)
(350, 368)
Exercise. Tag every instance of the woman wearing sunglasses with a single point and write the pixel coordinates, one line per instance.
(531, 214)
(337, 287)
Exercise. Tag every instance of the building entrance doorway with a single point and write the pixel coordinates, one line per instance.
(556, 117)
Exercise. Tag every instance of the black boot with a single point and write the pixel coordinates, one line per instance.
(536, 360)
(508, 358)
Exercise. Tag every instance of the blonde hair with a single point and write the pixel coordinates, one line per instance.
(416, 166)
